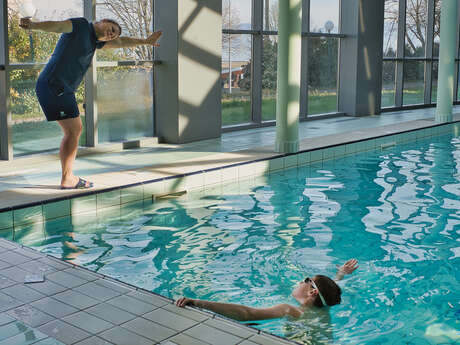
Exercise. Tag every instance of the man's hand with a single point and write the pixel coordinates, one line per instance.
(183, 301)
(153, 38)
(26, 23)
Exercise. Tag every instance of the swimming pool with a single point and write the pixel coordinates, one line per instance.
(396, 210)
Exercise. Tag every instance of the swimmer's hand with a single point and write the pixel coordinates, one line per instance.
(153, 38)
(347, 268)
(183, 301)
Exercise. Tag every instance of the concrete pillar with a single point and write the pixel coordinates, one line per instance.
(289, 73)
(447, 53)
(187, 83)
(361, 57)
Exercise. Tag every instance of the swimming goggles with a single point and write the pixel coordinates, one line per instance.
(309, 280)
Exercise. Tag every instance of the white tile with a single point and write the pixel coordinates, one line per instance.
(290, 161)
(56, 209)
(131, 194)
(246, 170)
(350, 148)
(276, 164)
(261, 168)
(154, 189)
(29, 215)
(195, 181)
(212, 177)
(230, 174)
(175, 185)
(316, 155)
(304, 158)
(339, 151)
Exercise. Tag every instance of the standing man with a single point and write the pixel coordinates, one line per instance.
(64, 72)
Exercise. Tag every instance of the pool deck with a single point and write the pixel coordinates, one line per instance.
(76, 306)
(36, 178)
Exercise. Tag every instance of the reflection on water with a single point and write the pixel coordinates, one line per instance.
(397, 211)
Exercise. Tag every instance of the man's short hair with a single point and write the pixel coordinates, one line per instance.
(107, 20)
(329, 289)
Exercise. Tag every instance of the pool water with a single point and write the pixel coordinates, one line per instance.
(397, 211)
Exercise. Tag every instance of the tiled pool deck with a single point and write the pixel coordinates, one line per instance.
(74, 305)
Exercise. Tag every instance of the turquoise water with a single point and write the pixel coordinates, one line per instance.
(397, 211)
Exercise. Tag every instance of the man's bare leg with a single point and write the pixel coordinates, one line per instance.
(72, 129)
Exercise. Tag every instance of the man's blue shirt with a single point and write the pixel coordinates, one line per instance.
(71, 57)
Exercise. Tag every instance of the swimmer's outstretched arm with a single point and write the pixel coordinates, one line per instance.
(240, 312)
(347, 268)
(128, 42)
(60, 26)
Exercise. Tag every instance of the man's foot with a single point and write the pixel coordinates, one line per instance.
(81, 184)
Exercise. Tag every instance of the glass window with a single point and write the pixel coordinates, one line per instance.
(322, 75)
(416, 24)
(390, 38)
(136, 20)
(31, 132)
(269, 71)
(324, 16)
(437, 26)
(413, 82)
(237, 14)
(125, 103)
(271, 15)
(35, 46)
(388, 84)
(236, 79)
(434, 82)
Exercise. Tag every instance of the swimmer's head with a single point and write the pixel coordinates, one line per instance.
(316, 290)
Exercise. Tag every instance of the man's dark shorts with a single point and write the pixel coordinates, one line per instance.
(56, 104)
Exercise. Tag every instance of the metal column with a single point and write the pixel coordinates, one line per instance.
(6, 145)
(89, 12)
(288, 76)
(447, 55)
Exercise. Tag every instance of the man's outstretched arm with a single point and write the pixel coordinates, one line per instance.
(48, 26)
(347, 268)
(240, 312)
(129, 42)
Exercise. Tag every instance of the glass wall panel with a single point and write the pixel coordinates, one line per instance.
(388, 84)
(31, 132)
(236, 14)
(437, 26)
(271, 15)
(434, 82)
(413, 82)
(416, 24)
(322, 75)
(136, 20)
(125, 103)
(324, 16)
(269, 70)
(390, 38)
(34, 46)
(236, 79)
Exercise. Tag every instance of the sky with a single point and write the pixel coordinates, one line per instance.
(321, 10)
